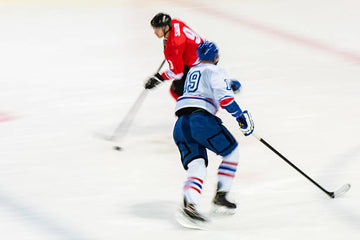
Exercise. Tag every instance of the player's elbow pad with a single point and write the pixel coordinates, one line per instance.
(230, 105)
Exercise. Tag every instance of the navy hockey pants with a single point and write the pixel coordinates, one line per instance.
(196, 132)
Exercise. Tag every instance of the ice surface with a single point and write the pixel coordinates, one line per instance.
(71, 69)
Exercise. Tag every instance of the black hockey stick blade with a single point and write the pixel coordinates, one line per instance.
(340, 191)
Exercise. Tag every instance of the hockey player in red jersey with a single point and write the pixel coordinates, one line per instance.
(180, 44)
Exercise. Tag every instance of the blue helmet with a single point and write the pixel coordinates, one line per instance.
(207, 51)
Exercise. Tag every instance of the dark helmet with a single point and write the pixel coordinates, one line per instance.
(207, 51)
(161, 20)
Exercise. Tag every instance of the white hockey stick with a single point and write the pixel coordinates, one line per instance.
(122, 128)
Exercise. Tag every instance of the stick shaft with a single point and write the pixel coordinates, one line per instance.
(124, 125)
(330, 194)
(129, 117)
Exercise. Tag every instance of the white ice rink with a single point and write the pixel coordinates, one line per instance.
(71, 69)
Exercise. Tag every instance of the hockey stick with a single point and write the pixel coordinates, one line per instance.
(334, 194)
(124, 125)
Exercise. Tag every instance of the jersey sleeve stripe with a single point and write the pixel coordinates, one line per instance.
(226, 101)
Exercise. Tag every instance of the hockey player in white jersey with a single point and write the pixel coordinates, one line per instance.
(207, 88)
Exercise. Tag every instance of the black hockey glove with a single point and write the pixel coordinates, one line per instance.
(153, 81)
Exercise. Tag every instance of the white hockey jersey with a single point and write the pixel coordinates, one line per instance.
(205, 86)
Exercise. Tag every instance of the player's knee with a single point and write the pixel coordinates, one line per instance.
(197, 167)
(233, 156)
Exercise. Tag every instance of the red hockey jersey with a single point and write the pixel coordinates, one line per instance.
(180, 49)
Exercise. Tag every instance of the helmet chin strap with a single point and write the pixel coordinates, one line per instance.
(165, 32)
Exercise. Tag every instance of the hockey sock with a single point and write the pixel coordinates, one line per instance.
(227, 170)
(196, 174)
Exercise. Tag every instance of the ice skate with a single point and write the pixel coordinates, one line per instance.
(193, 214)
(189, 217)
(222, 205)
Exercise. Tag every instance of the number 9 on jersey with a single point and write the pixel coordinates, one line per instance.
(192, 82)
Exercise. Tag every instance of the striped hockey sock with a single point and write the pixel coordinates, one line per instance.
(227, 170)
(196, 174)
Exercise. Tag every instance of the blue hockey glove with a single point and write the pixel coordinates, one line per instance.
(235, 85)
(246, 123)
(153, 81)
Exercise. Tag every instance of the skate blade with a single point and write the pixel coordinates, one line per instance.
(222, 210)
(184, 220)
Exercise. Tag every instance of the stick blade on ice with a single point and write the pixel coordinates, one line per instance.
(342, 190)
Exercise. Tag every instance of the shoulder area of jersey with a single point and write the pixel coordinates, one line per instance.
(175, 20)
(209, 66)
(212, 69)
(177, 34)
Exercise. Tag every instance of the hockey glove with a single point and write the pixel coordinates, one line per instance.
(246, 123)
(153, 81)
(235, 85)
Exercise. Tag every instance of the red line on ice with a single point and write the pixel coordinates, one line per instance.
(348, 55)
(5, 117)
